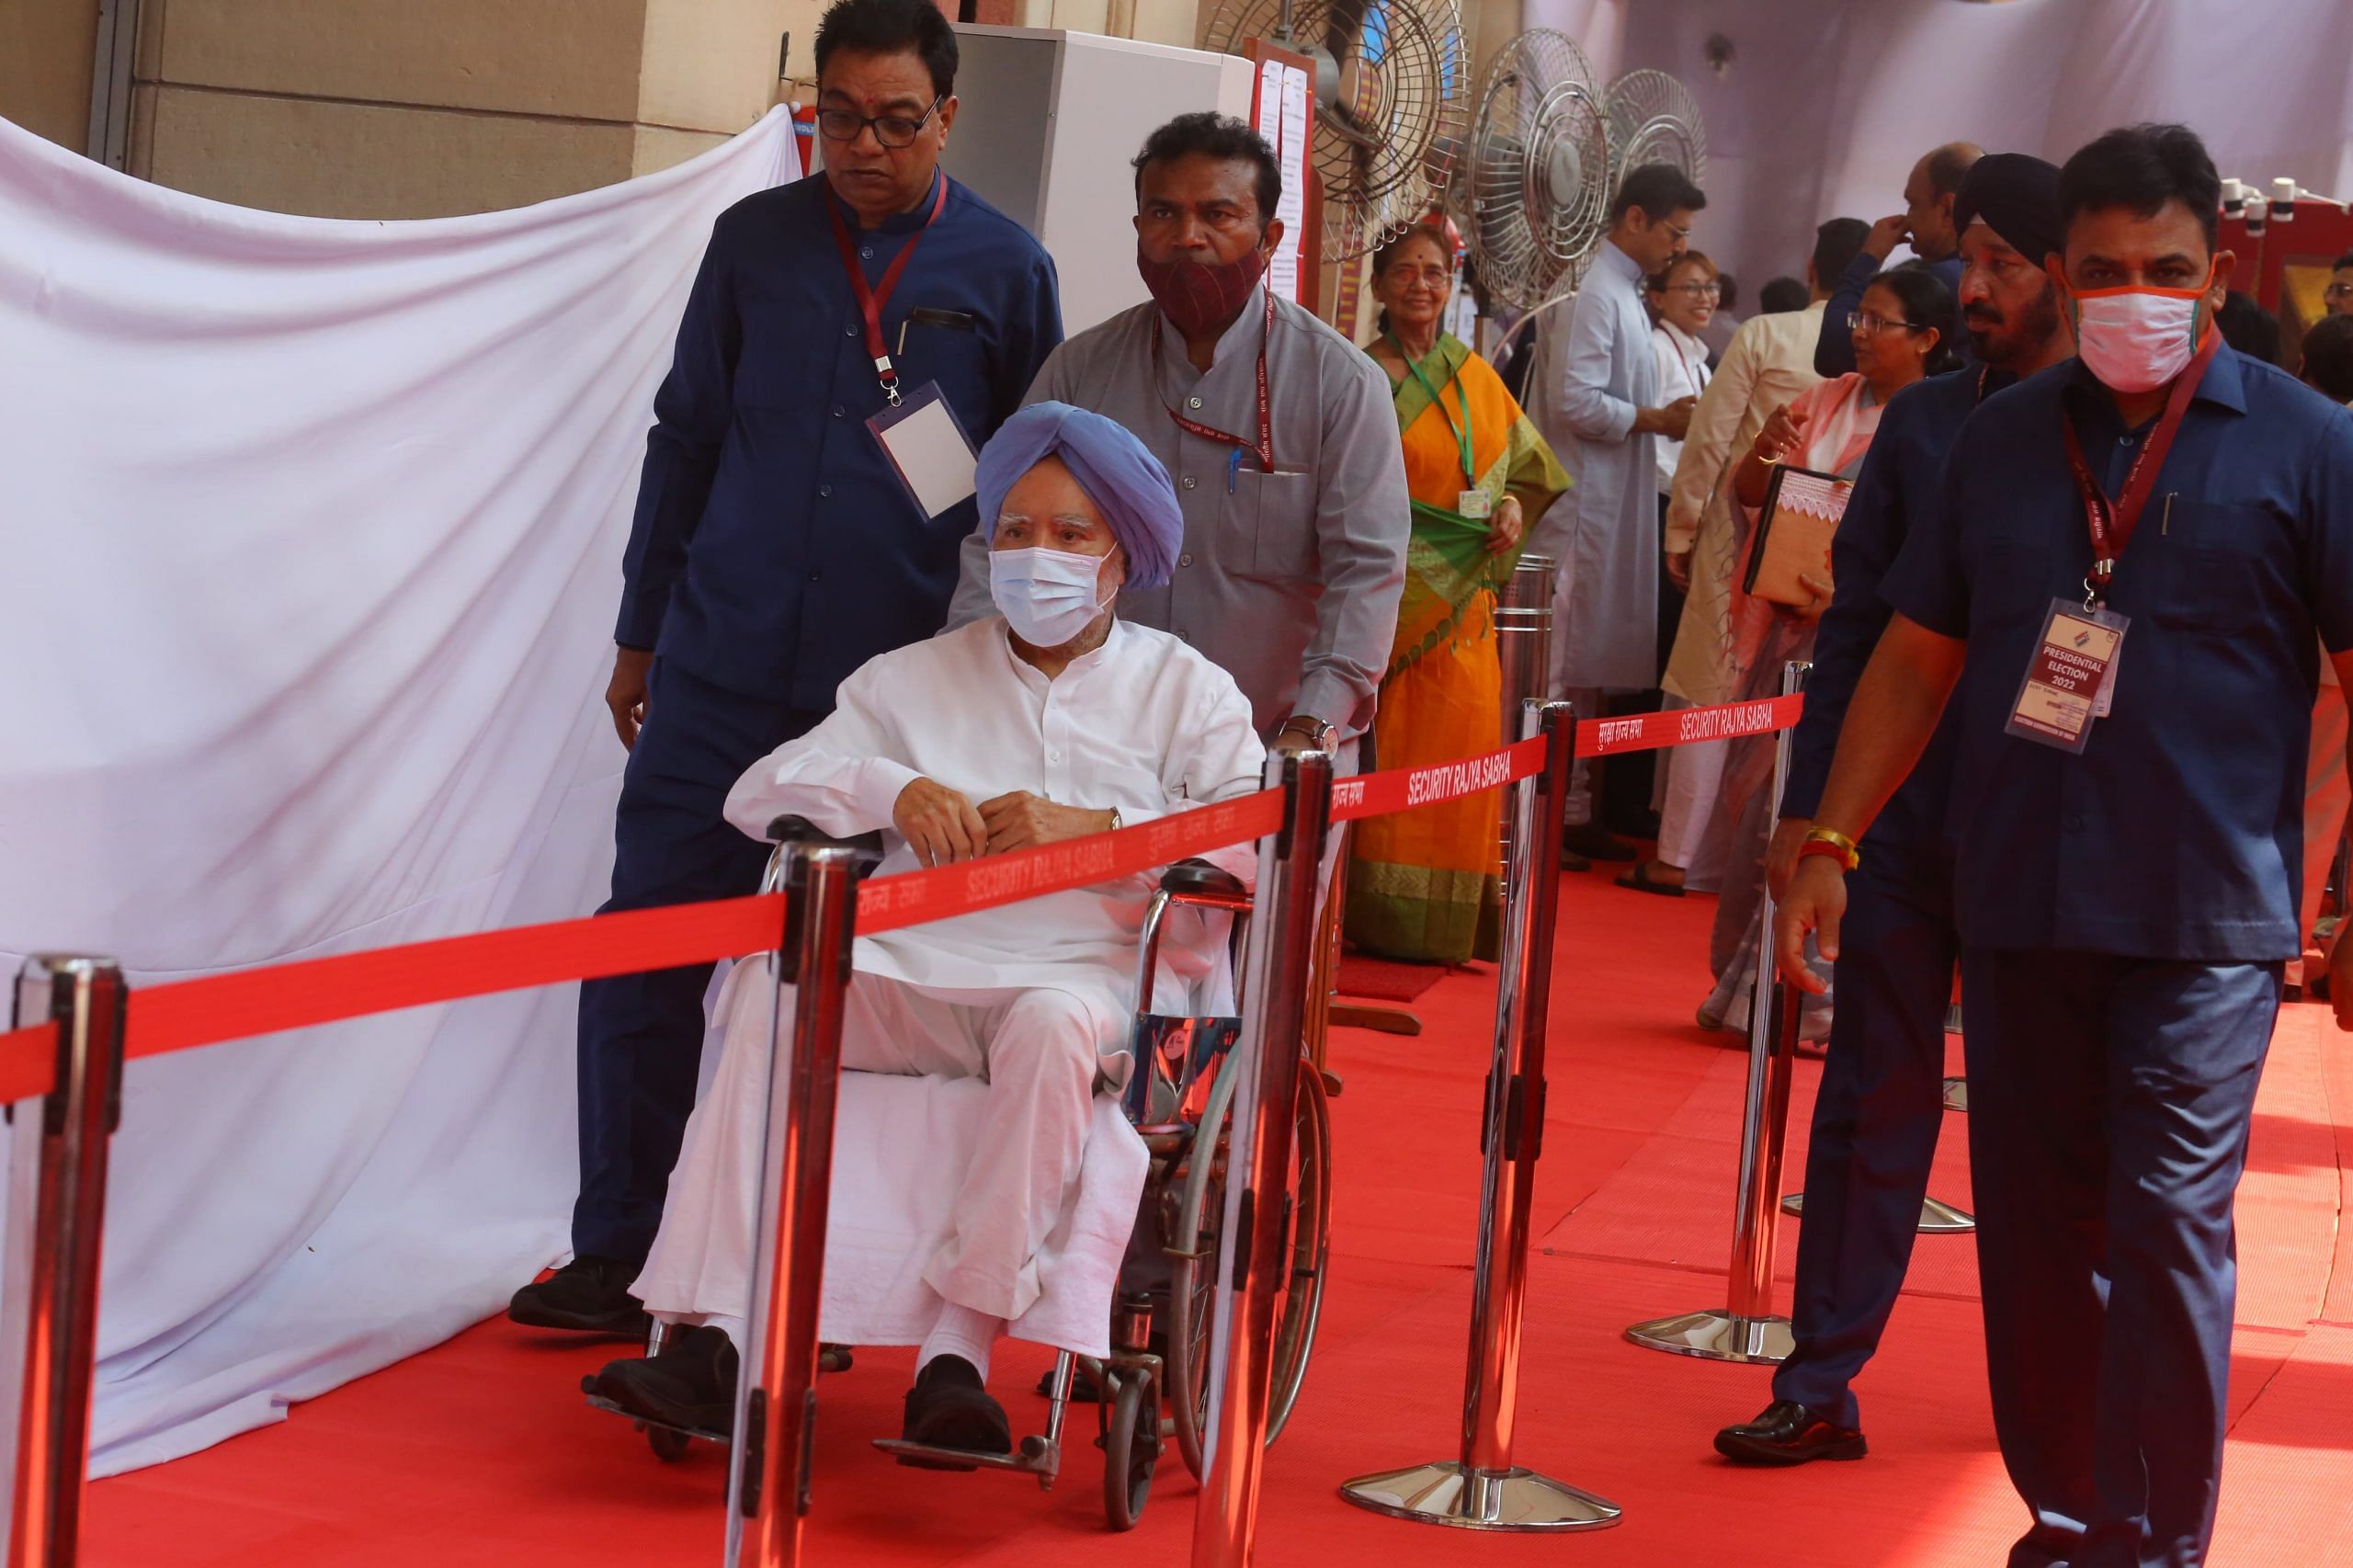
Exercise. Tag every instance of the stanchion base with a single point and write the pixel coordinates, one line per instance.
(1936, 1218)
(1448, 1493)
(1957, 1094)
(1717, 1335)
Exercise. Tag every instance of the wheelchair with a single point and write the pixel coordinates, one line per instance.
(1179, 1097)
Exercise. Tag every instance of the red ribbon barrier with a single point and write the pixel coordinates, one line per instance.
(1686, 726)
(915, 898)
(184, 1014)
(29, 1061)
(215, 1007)
(1401, 788)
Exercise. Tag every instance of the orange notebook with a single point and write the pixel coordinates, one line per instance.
(1793, 529)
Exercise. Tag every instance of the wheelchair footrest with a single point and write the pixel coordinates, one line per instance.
(647, 1423)
(1033, 1456)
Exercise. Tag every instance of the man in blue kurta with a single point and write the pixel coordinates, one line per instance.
(1592, 395)
(777, 549)
(2169, 513)
(1882, 1102)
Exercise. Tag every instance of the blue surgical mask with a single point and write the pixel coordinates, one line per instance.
(1048, 597)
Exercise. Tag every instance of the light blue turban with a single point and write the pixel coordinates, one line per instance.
(1125, 481)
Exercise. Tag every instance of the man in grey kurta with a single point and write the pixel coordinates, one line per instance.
(1288, 578)
(1593, 392)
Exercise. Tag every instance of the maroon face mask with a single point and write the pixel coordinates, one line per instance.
(1200, 297)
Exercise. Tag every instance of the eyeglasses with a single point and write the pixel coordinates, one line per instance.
(1696, 290)
(1866, 321)
(890, 129)
(1677, 230)
(2338, 292)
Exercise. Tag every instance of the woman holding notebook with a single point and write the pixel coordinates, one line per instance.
(1903, 331)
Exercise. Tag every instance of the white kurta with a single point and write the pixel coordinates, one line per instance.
(1026, 999)
(1682, 361)
(1143, 724)
(1592, 375)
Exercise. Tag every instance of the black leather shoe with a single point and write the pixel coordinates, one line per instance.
(691, 1384)
(589, 1294)
(1788, 1433)
(951, 1408)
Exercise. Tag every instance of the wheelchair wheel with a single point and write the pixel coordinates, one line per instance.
(1193, 1289)
(1311, 1250)
(1131, 1450)
(669, 1444)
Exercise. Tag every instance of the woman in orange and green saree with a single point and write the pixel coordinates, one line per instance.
(1426, 886)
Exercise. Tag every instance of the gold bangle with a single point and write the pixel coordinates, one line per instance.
(1848, 850)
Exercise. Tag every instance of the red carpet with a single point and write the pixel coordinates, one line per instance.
(482, 1452)
(1386, 979)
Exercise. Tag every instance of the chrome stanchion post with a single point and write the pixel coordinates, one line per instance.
(1745, 1329)
(776, 1399)
(1483, 1489)
(57, 1192)
(1524, 649)
(1257, 1217)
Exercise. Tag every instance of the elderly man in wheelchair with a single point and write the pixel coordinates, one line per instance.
(1054, 720)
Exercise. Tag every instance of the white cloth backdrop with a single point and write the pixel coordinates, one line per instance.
(310, 542)
(1827, 103)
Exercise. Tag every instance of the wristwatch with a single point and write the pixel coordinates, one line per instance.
(1831, 841)
(1318, 733)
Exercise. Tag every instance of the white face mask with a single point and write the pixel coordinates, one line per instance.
(2135, 340)
(1048, 597)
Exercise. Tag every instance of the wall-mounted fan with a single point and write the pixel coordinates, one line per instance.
(1653, 119)
(1533, 186)
(1390, 84)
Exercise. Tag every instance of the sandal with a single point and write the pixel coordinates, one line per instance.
(1639, 879)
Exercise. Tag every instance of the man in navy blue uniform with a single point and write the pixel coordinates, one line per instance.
(2134, 559)
(1881, 1100)
(777, 549)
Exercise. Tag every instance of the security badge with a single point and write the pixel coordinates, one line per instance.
(1475, 504)
(2071, 680)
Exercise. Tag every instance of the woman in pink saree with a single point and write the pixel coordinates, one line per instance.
(1902, 333)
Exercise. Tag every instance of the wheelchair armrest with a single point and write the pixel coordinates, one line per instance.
(801, 830)
(1201, 879)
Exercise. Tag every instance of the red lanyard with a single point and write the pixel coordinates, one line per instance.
(2113, 522)
(1264, 451)
(871, 299)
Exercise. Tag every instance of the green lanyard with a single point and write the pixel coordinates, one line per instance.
(1463, 431)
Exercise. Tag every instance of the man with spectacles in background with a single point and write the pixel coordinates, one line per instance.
(2337, 297)
(777, 549)
(1926, 224)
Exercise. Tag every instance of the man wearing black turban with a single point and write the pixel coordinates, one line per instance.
(1876, 1118)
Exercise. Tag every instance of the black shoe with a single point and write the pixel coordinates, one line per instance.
(589, 1293)
(1788, 1433)
(951, 1408)
(691, 1384)
(1596, 842)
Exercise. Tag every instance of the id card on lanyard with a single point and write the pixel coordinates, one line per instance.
(1264, 449)
(1473, 502)
(918, 430)
(2071, 678)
